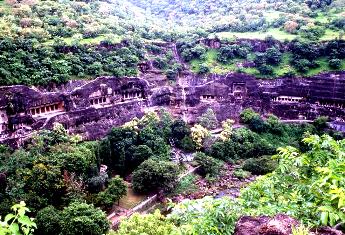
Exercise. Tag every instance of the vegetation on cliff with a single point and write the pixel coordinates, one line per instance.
(62, 180)
(307, 184)
(69, 185)
(51, 42)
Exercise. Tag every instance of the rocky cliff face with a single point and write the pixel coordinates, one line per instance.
(92, 108)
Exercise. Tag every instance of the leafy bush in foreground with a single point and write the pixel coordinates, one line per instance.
(18, 222)
(309, 186)
(142, 224)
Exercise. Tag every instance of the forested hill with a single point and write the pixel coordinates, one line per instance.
(212, 14)
(51, 42)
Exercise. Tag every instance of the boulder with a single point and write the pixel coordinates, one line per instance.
(264, 225)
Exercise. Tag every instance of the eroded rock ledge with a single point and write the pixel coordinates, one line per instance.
(92, 108)
(279, 225)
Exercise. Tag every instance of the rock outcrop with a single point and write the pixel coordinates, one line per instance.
(92, 108)
(279, 225)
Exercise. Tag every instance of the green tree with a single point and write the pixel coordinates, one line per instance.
(204, 68)
(273, 56)
(42, 183)
(206, 216)
(138, 154)
(266, 69)
(247, 115)
(208, 119)
(314, 193)
(179, 130)
(114, 147)
(154, 175)
(320, 123)
(116, 189)
(81, 218)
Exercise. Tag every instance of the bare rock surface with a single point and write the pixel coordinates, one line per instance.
(264, 225)
(278, 225)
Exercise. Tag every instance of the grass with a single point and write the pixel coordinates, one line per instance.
(330, 35)
(186, 185)
(210, 60)
(213, 64)
(94, 41)
(323, 62)
(283, 68)
(274, 32)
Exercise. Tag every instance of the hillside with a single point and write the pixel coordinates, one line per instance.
(47, 42)
(172, 117)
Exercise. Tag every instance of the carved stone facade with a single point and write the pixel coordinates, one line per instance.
(92, 108)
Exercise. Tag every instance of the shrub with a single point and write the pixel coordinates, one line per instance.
(274, 125)
(150, 224)
(320, 123)
(17, 222)
(308, 185)
(208, 165)
(160, 63)
(247, 115)
(186, 184)
(260, 166)
(96, 183)
(81, 218)
(266, 69)
(241, 174)
(199, 134)
(258, 125)
(335, 63)
(208, 119)
(171, 74)
(137, 155)
(48, 221)
(206, 215)
(243, 144)
(302, 65)
(179, 130)
(188, 144)
(204, 68)
(273, 56)
(113, 193)
(153, 175)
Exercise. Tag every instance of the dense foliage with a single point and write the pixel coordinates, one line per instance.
(81, 218)
(17, 223)
(260, 137)
(208, 166)
(51, 42)
(53, 172)
(308, 185)
(138, 224)
(260, 166)
(154, 175)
